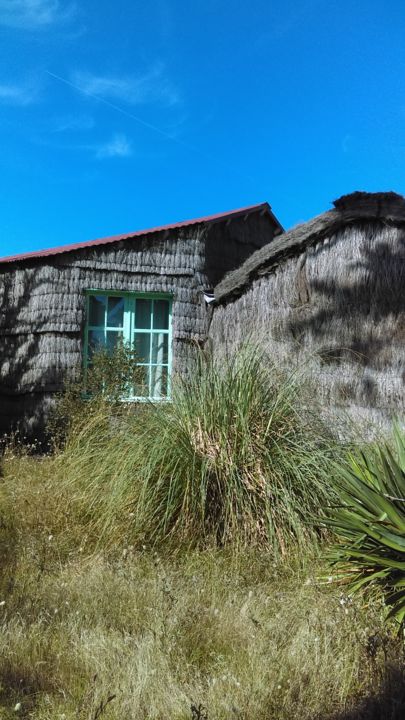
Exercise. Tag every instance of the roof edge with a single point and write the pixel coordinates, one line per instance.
(208, 219)
(353, 207)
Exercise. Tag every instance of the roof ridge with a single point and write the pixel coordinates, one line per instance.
(354, 207)
(216, 217)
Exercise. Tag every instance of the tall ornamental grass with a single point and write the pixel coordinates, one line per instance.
(234, 457)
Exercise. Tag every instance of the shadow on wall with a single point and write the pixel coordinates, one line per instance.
(362, 321)
(23, 384)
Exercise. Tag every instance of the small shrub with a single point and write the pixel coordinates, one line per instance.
(370, 522)
(103, 385)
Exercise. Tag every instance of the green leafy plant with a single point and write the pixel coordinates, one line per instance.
(370, 522)
(104, 384)
(111, 374)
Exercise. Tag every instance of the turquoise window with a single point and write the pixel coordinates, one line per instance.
(143, 322)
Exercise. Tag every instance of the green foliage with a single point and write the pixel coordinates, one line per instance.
(104, 384)
(371, 522)
(232, 458)
(112, 374)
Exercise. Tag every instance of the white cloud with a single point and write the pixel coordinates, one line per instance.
(34, 14)
(152, 86)
(21, 95)
(118, 146)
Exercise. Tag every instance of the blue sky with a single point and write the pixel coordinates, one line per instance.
(117, 116)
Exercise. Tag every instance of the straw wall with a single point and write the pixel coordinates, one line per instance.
(42, 304)
(335, 314)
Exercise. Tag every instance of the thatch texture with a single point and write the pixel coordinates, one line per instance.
(42, 302)
(327, 300)
(387, 207)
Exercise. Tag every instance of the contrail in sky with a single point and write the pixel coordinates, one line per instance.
(146, 124)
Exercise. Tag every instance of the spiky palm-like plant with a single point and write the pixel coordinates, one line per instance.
(370, 522)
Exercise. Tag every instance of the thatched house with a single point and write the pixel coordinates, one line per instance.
(146, 287)
(327, 299)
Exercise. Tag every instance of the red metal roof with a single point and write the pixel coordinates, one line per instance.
(139, 233)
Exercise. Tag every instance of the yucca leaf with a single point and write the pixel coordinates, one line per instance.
(397, 611)
(399, 583)
(399, 439)
(378, 575)
(399, 476)
(370, 522)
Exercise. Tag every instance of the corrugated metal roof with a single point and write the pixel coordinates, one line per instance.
(140, 233)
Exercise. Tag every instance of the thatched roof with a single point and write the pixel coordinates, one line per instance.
(357, 207)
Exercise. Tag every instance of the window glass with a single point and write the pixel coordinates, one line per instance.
(160, 344)
(96, 341)
(141, 323)
(115, 313)
(142, 347)
(143, 314)
(158, 381)
(113, 338)
(161, 314)
(97, 307)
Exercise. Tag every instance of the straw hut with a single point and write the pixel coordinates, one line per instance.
(326, 299)
(146, 287)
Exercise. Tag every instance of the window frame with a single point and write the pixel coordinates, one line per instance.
(128, 331)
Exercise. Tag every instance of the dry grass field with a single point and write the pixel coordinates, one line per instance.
(130, 633)
(202, 620)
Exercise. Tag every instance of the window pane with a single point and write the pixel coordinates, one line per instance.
(142, 347)
(141, 388)
(143, 314)
(115, 313)
(97, 307)
(113, 338)
(161, 314)
(150, 323)
(96, 341)
(159, 381)
(160, 344)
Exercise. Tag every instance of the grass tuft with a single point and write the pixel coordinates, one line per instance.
(234, 458)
